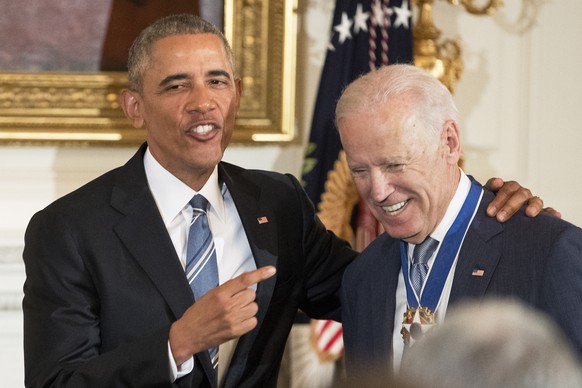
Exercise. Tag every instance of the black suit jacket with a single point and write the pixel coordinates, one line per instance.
(536, 260)
(104, 282)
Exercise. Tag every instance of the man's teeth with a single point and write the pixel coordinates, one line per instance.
(203, 129)
(395, 207)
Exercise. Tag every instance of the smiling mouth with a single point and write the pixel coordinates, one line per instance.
(394, 208)
(203, 129)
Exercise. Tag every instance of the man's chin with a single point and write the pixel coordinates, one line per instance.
(406, 234)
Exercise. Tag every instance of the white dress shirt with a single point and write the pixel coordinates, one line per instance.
(438, 234)
(233, 252)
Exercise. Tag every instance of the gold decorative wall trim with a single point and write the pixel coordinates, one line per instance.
(443, 59)
(82, 108)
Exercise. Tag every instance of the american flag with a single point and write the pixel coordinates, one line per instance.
(365, 34)
(478, 272)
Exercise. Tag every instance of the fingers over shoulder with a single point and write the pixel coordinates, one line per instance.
(494, 183)
(554, 212)
(533, 211)
(534, 206)
(509, 199)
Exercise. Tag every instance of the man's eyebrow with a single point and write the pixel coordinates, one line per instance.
(218, 73)
(174, 77)
(181, 76)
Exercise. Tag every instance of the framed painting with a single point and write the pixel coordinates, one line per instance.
(72, 97)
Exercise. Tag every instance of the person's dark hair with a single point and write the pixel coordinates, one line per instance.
(183, 24)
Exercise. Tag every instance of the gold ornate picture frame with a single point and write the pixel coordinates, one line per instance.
(82, 108)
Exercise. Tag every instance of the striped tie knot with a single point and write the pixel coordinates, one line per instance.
(419, 268)
(199, 204)
(424, 250)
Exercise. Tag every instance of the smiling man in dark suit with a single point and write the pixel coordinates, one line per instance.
(404, 160)
(107, 301)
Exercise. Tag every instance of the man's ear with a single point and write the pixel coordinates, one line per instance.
(238, 84)
(131, 104)
(452, 142)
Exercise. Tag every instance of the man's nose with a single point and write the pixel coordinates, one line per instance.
(200, 101)
(380, 186)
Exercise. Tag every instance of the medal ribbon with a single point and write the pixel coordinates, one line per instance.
(446, 255)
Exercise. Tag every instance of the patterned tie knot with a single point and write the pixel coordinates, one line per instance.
(199, 203)
(423, 251)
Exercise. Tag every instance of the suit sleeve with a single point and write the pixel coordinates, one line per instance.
(562, 290)
(326, 257)
(62, 325)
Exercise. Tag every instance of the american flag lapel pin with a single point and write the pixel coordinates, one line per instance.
(262, 220)
(478, 272)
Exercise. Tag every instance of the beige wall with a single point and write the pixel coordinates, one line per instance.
(519, 99)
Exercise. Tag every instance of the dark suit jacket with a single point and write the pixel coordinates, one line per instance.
(537, 260)
(104, 282)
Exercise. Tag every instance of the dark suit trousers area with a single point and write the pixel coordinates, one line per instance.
(104, 282)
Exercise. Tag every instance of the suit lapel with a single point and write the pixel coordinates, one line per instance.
(478, 257)
(144, 234)
(262, 238)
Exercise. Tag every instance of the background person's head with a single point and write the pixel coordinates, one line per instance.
(496, 343)
(398, 126)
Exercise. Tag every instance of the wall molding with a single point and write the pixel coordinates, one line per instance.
(11, 254)
(10, 301)
(11, 277)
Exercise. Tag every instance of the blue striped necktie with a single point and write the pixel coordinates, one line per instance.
(201, 267)
(419, 268)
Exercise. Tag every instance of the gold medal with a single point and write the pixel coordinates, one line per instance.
(417, 321)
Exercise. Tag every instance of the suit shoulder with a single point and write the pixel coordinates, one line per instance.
(88, 195)
(377, 250)
(541, 226)
(257, 176)
(544, 224)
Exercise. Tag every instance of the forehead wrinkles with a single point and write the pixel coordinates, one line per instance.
(184, 56)
(381, 146)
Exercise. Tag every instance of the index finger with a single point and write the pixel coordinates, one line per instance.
(494, 184)
(247, 279)
(535, 205)
(508, 200)
(554, 212)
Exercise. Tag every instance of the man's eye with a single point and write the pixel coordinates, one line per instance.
(395, 167)
(174, 87)
(218, 82)
(358, 172)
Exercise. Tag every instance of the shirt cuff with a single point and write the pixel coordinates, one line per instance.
(179, 371)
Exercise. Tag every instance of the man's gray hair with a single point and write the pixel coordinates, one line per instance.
(432, 103)
(183, 24)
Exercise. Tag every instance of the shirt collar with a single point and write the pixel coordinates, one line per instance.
(172, 195)
(454, 208)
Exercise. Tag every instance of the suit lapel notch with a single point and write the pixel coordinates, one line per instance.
(144, 234)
